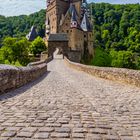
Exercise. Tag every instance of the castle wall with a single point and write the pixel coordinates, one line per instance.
(60, 22)
(51, 13)
(54, 11)
(76, 39)
(76, 36)
(90, 43)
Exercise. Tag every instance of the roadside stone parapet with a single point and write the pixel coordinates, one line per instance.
(12, 77)
(123, 75)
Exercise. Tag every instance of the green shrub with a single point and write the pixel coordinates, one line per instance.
(101, 58)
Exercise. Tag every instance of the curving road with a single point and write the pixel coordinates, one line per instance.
(66, 104)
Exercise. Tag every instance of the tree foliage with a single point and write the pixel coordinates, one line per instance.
(14, 50)
(117, 32)
(14, 47)
(37, 46)
(19, 26)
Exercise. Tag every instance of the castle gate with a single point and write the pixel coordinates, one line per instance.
(59, 41)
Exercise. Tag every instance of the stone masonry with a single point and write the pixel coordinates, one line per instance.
(72, 18)
(12, 77)
(122, 75)
(66, 104)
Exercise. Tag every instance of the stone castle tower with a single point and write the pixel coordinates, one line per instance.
(69, 21)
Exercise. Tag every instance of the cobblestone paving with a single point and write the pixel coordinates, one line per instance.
(66, 104)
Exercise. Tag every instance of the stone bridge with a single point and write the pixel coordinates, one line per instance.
(66, 104)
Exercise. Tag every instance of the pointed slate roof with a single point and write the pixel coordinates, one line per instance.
(32, 34)
(85, 24)
(72, 9)
(74, 15)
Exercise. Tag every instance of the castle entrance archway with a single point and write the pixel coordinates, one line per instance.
(59, 42)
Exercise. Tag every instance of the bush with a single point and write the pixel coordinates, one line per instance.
(123, 59)
(14, 50)
(101, 58)
(37, 46)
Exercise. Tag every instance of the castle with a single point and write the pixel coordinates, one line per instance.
(68, 27)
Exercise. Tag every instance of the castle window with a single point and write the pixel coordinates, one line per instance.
(85, 36)
(67, 31)
(66, 24)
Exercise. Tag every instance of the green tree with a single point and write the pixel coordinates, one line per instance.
(123, 59)
(14, 50)
(20, 51)
(37, 46)
(19, 26)
(117, 32)
(102, 58)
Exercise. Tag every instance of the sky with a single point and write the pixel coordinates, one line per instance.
(26, 7)
(19, 7)
(117, 1)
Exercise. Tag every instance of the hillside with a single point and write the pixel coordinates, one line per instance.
(117, 35)
(19, 26)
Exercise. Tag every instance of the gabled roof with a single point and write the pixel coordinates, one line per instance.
(32, 34)
(58, 37)
(85, 24)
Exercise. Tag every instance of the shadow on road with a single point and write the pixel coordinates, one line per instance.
(22, 89)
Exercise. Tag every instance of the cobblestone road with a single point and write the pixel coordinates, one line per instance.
(66, 104)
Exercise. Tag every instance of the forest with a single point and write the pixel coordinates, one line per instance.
(116, 35)
(14, 47)
(116, 30)
(19, 26)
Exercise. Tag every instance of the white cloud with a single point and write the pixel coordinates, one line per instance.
(19, 7)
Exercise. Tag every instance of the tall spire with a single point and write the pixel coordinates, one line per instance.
(85, 24)
(74, 22)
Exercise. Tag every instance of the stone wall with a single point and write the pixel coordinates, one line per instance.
(12, 77)
(74, 56)
(44, 55)
(116, 74)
